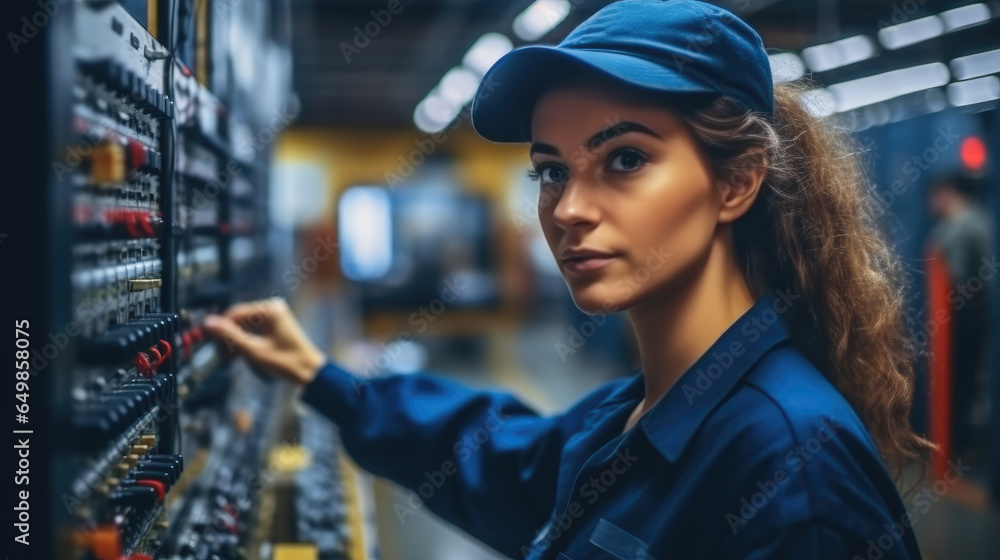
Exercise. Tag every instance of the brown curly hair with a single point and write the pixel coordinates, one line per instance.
(814, 230)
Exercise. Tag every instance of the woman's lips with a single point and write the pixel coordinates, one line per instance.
(585, 264)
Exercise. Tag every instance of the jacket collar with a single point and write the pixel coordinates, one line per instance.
(672, 422)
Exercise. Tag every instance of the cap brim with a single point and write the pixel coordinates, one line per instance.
(504, 101)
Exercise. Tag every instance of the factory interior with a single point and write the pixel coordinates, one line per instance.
(174, 158)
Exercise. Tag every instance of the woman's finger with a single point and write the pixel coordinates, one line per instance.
(234, 336)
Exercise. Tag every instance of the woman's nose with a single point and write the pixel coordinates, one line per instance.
(575, 207)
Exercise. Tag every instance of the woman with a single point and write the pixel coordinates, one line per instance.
(678, 185)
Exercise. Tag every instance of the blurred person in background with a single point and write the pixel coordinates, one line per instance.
(677, 184)
(962, 233)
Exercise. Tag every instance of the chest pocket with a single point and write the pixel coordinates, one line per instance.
(619, 543)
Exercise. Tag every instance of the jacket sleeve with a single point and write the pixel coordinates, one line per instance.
(481, 460)
(819, 540)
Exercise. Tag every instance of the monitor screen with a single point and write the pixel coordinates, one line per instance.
(406, 248)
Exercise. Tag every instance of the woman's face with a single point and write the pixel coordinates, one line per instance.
(627, 202)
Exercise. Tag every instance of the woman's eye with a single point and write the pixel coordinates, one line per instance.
(548, 174)
(626, 160)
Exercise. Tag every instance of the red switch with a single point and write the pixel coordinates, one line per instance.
(160, 488)
(138, 154)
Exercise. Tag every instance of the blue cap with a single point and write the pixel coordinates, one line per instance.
(685, 48)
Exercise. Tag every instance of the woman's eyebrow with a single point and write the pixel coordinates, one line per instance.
(605, 135)
(540, 148)
(617, 129)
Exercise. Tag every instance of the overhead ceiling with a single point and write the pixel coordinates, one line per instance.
(343, 81)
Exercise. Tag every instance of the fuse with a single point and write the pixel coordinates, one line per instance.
(107, 164)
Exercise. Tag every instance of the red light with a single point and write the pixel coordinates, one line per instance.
(973, 153)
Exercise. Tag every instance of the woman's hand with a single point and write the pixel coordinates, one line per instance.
(269, 336)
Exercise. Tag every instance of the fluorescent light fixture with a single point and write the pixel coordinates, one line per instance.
(975, 65)
(539, 18)
(446, 100)
(435, 112)
(911, 32)
(458, 85)
(881, 87)
(485, 51)
(966, 15)
(974, 91)
(821, 58)
(365, 231)
(786, 67)
(819, 102)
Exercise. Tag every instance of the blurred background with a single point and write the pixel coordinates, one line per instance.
(353, 183)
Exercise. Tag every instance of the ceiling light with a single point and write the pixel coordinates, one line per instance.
(786, 67)
(485, 51)
(434, 113)
(821, 58)
(975, 91)
(819, 103)
(881, 87)
(975, 65)
(966, 15)
(458, 85)
(911, 32)
(539, 18)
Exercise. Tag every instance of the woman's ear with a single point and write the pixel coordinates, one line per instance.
(739, 187)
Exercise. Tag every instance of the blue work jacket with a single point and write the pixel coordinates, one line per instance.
(752, 454)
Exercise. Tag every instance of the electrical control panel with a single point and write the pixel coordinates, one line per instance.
(141, 216)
